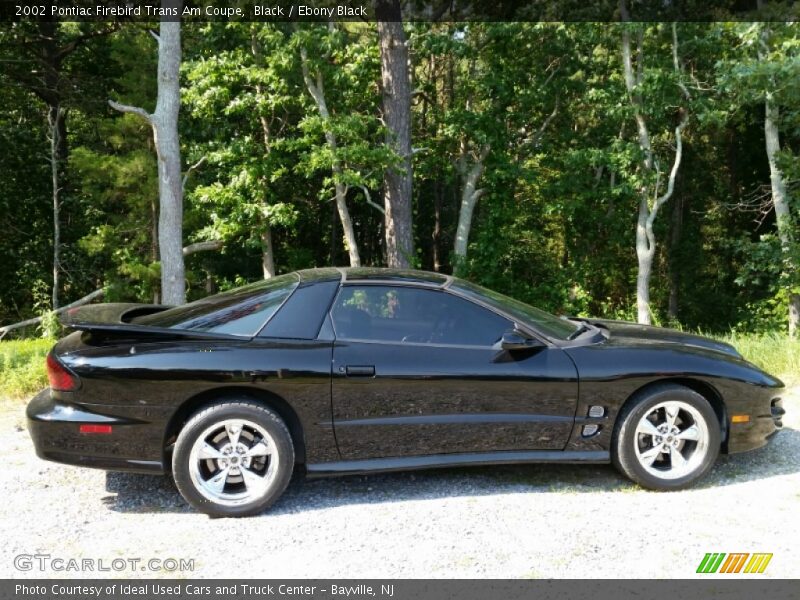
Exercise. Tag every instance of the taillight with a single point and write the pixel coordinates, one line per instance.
(60, 379)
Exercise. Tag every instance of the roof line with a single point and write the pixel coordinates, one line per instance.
(343, 273)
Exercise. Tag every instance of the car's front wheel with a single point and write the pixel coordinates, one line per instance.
(666, 438)
(233, 459)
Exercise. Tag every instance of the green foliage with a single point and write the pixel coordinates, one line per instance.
(22, 367)
(560, 176)
(50, 327)
(773, 352)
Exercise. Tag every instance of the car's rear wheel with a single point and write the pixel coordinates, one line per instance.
(666, 438)
(233, 459)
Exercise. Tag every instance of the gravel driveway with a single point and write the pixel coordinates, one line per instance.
(520, 521)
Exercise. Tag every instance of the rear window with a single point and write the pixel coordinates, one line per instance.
(242, 311)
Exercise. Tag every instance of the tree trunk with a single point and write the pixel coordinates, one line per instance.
(397, 181)
(470, 194)
(794, 314)
(165, 127)
(42, 73)
(56, 120)
(154, 244)
(347, 222)
(644, 255)
(267, 252)
(437, 225)
(164, 122)
(780, 203)
(317, 91)
(56, 117)
(783, 216)
(267, 255)
(675, 239)
(645, 237)
(210, 286)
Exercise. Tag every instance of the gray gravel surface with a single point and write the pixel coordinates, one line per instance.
(521, 521)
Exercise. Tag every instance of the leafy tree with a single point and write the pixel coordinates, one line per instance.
(164, 121)
(341, 63)
(245, 73)
(652, 196)
(528, 169)
(57, 63)
(763, 69)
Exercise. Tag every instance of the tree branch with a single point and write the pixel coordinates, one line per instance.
(374, 205)
(189, 172)
(537, 137)
(631, 83)
(202, 247)
(71, 46)
(678, 136)
(132, 109)
(677, 65)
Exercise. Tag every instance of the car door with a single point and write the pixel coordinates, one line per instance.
(420, 371)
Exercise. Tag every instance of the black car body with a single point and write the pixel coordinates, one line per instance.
(375, 369)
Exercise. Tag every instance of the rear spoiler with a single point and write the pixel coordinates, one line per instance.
(113, 320)
(115, 313)
(133, 331)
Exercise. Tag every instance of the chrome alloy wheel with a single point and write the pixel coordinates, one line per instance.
(671, 440)
(233, 462)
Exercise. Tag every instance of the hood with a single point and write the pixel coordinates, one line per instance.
(625, 331)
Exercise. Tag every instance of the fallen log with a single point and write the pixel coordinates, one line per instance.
(187, 250)
(36, 320)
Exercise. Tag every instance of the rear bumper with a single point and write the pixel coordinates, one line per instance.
(756, 433)
(54, 426)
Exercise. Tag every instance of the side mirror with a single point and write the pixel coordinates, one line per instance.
(514, 339)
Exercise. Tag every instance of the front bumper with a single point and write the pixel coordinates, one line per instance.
(758, 431)
(54, 426)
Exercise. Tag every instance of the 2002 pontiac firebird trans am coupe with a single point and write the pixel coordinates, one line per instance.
(362, 370)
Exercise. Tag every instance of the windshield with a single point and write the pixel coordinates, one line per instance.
(242, 311)
(548, 324)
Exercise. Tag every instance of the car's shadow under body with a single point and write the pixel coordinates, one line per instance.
(147, 493)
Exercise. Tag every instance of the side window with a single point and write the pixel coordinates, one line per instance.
(402, 314)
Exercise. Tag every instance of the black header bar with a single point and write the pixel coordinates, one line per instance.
(392, 10)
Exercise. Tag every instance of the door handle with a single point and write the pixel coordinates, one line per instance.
(360, 370)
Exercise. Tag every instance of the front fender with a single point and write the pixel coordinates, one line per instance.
(609, 375)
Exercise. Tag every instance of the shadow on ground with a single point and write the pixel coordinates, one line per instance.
(147, 493)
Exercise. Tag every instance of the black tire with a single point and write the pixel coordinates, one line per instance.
(626, 440)
(254, 415)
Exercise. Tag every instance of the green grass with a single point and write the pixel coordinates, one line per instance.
(22, 369)
(773, 352)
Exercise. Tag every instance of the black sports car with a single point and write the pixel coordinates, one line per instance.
(362, 370)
